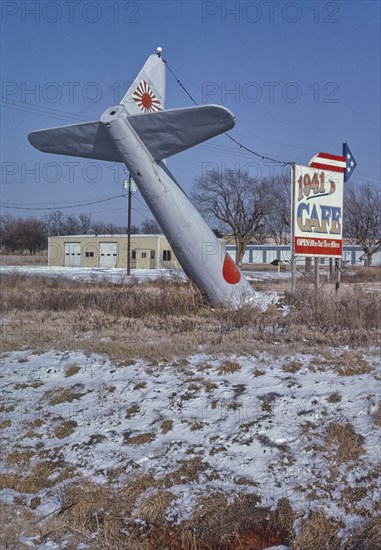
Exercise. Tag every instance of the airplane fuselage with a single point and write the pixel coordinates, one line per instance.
(200, 253)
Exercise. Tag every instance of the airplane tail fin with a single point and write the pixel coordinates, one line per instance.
(164, 133)
(147, 92)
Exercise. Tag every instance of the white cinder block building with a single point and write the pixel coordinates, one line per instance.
(154, 252)
(147, 251)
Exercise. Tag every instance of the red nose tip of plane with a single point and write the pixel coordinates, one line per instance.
(230, 271)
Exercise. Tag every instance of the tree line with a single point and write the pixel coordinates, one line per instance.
(234, 204)
(253, 210)
(31, 234)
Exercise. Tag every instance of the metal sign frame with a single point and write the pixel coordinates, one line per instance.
(316, 212)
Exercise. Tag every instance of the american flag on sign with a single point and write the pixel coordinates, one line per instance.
(350, 163)
(326, 161)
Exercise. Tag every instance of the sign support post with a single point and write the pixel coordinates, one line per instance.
(293, 185)
(338, 275)
(316, 273)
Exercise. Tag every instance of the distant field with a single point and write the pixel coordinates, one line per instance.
(138, 417)
(41, 258)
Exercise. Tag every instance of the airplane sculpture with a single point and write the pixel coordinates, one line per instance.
(140, 133)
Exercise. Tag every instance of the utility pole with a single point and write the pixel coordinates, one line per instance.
(128, 184)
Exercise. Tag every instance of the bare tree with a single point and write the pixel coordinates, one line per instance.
(85, 223)
(11, 233)
(5, 225)
(278, 216)
(149, 227)
(34, 234)
(102, 228)
(236, 201)
(72, 225)
(21, 234)
(362, 217)
(55, 223)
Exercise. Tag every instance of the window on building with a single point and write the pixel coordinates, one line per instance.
(166, 255)
(89, 254)
(144, 254)
(152, 254)
(133, 254)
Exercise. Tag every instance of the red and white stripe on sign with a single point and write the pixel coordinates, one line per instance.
(313, 246)
(326, 161)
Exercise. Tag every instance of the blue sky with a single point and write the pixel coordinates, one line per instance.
(300, 77)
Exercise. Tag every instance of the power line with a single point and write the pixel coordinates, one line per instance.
(241, 146)
(59, 207)
(24, 106)
(41, 110)
(262, 157)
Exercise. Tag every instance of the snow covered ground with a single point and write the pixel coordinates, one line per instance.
(119, 275)
(287, 424)
(116, 275)
(263, 424)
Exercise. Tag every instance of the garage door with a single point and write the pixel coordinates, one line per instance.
(108, 255)
(72, 254)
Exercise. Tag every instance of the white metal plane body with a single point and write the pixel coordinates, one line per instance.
(140, 133)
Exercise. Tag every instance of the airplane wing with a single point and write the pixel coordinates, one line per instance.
(164, 133)
(89, 140)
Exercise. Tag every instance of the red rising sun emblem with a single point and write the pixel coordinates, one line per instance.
(145, 98)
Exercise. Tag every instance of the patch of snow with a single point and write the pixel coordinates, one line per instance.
(115, 275)
(239, 424)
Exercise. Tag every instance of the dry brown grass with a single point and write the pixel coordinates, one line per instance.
(228, 367)
(16, 521)
(63, 395)
(153, 506)
(27, 293)
(101, 513)
(40, 258)
(377, 415)
(318, 532)
(65, 429)
(351, 364)
(35, 479)
(166, 426)
(139, 439)
(367, 537)
(112, 516)
(358, 274)
(5, 424)
(132, 411)
(343, 443)
(109, 516)
(71, 370)
(20, 457)
(335, 397)
(158, 321)
(187, 472)
(352, 318)
(292, 366)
